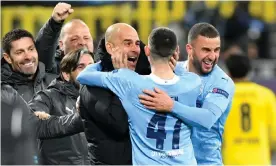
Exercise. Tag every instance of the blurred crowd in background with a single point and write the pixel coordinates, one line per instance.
(248, 26)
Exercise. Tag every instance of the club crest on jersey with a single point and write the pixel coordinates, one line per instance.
(220, 91)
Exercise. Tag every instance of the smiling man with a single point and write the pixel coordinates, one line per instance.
(20, 67)
(213, 104)
(125, 38)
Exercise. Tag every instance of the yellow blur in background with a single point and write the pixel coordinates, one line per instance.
(144, 15)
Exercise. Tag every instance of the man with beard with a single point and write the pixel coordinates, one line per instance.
(213, 104)
(105, 119)
(156, 138)
(21, 70)
(73, 35)
(59, 99)
(20, 66)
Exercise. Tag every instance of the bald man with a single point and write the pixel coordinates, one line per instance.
(73, 35)
(105, 119)
(123, 37)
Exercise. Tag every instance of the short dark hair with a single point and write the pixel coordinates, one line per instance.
(70, 61)
(12, 36)
(162, 41)
(202, 29)
(238, 65)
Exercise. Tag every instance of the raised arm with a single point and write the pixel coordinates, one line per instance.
(47, 38)
(118, 81)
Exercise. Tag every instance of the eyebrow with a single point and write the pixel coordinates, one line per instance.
(31, 46)
(20, 49)
(129, 40)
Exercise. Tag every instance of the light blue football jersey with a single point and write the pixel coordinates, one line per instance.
(208, 119)
(156, 138)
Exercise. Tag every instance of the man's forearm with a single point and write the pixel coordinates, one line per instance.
(46, 42)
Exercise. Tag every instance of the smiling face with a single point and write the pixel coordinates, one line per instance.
(124, 37)
(204, 52)
(23, 56)
(75, 35)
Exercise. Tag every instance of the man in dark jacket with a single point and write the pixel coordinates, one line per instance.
(73, 35)
(15, 129)
(106, 123)
(59, 99)
(21, 70)
(20, 66)
(20, 127)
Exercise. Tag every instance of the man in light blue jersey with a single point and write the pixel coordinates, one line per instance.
(157, 138)
(213, 105)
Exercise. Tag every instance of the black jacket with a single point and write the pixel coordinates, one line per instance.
(106, 122)
(60, 99)
(15, 145)
(25, 87)
(46, 45)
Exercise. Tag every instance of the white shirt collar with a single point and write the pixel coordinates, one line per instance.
(158, 80)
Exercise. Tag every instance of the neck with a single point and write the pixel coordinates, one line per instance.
(162, 71)
(191, 67)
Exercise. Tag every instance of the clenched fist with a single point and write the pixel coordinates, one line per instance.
(62, 11)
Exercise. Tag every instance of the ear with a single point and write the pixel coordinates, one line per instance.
(60, 44)
(108, 47)
(7, 58)
(189, 49)
(147, 50)
(66, 76)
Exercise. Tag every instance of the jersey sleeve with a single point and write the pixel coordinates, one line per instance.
(219, 96)
(118, 81)
(93, 67)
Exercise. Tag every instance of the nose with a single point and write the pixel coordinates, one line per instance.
(28, 56)
(212, 55)
(81, 42)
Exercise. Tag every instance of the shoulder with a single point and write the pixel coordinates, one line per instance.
(8, 94)
(219, 77)
(191, 78)
(265, 91)
(50, 77)
(180, 67)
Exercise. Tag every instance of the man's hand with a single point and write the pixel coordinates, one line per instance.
(119, 59)
(61, 12)
(156, 100)
(42, 115)
(174, 58)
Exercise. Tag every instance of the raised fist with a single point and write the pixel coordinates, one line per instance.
(62, 11)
